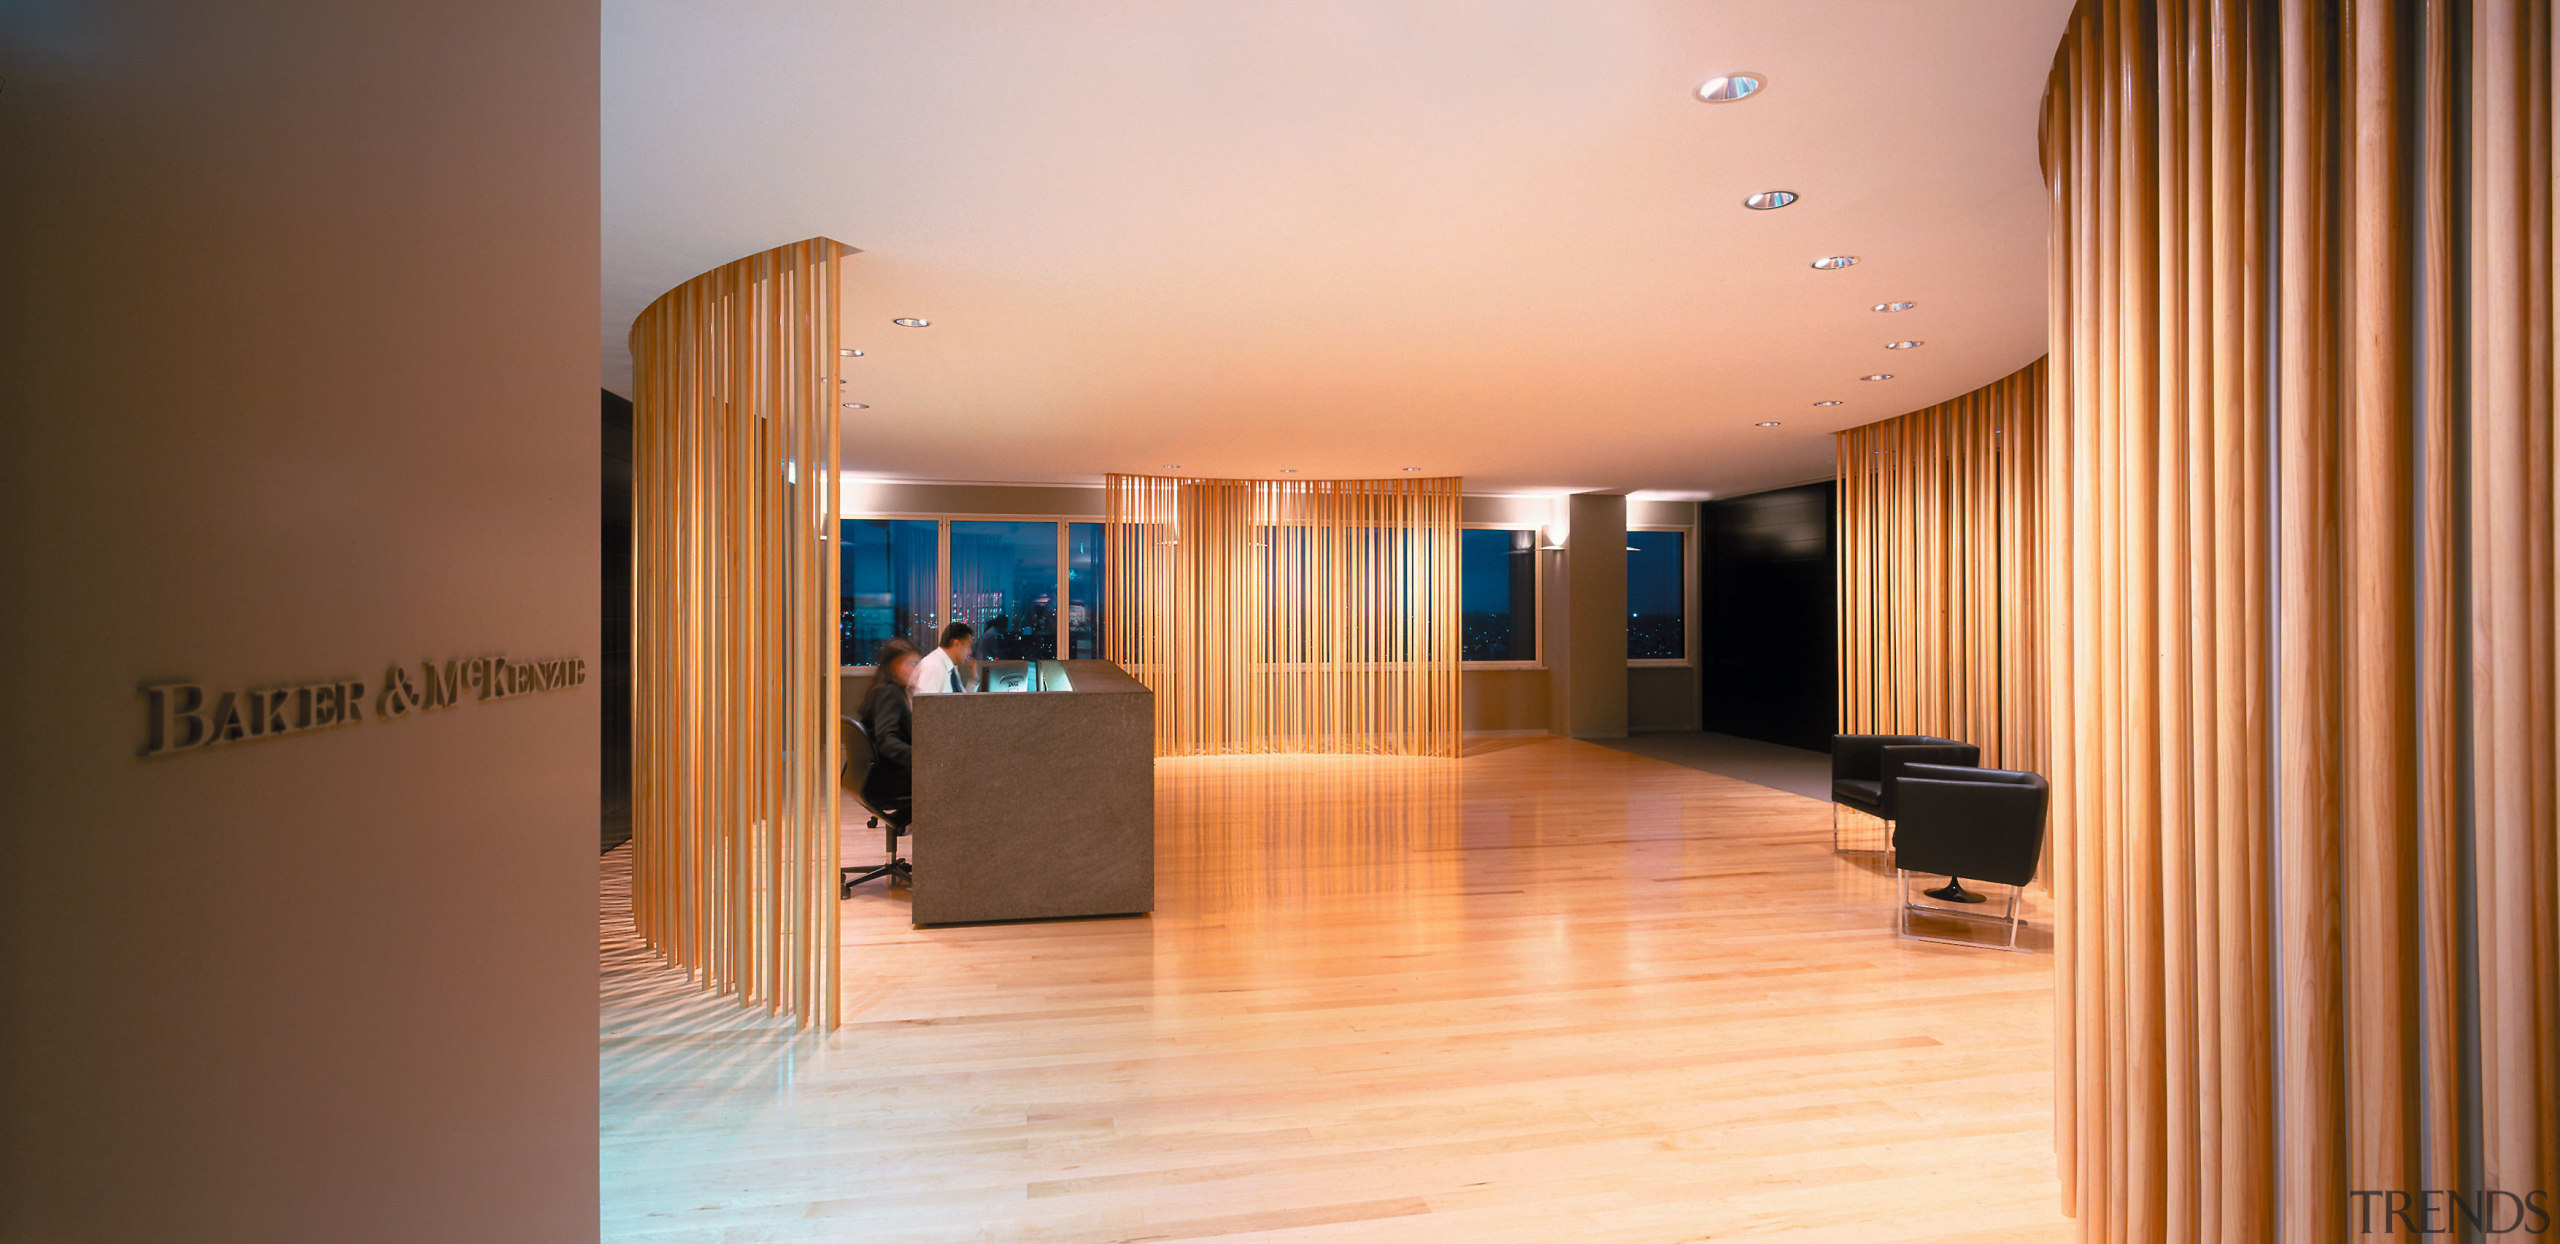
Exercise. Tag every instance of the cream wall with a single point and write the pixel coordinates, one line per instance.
(297, 378)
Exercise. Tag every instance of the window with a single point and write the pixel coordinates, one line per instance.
(1084, 591)
(1657, 596)
(1032, 588)
(1004, 582)
(1498, 594)
(890, 569)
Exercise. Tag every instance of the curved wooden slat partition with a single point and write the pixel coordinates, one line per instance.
(1939, 516)
(1288, 615)
(734, 633)
(2299, 584)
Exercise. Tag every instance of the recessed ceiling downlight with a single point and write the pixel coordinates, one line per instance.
(1833, 263)
(908, 321)
(1769, 200)
(1904, 345)
(1726, 88)
(1882, 375)
(1895, 306)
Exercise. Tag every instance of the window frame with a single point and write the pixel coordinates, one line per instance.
(1688, 658)
(1538, 574)
(942, 557)
(942, 573)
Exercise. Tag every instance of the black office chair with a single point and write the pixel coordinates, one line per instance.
(857, 766)
(1960, 821)
(1863, 768)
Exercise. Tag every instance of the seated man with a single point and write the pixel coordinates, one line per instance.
(939, 671)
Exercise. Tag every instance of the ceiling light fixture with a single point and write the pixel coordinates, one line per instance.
(911, 322)
(857, 406)
(1726, 88)
(1882, 375)
(1833, 263)
(1769, 200)
(1413, 468)
(1895, 306)
(1766, 423)
(1288, 470)
(1904, 345)
(1833, 402)
(848, 352)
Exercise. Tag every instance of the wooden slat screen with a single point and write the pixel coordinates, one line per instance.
(1288, 615)
(2299, 585)
(1937, 574)
(734, 628)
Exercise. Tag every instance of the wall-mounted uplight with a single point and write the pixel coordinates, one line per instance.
(1726, 88)
(1882, 375)
(1833, 263)
(1769, 200)
(1904, 345)
(911, 322)
(1895, 306)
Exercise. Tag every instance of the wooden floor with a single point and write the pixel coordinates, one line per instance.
(1552, 992)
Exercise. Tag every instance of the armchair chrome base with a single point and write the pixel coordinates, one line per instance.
(898, 871)
(1902, 919)
(1835, 830)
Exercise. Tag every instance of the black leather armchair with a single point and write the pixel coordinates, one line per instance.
(1960, 821)
(1864, 766)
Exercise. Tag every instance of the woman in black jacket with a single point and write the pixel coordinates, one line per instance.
(886, 722)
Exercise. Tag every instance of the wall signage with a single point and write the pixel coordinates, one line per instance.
(186, 716)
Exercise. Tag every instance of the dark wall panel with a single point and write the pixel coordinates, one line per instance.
(616, 645)
(1766, 632)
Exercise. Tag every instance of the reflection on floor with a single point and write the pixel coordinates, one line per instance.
(1550, 992)
(1778, 767)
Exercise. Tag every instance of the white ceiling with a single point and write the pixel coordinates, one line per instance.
(1491, 238)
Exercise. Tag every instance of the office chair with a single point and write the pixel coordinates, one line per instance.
(1863, 768)
(1959, 821)
(857, 766)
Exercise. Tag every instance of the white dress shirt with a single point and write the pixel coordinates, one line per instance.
(936, 674)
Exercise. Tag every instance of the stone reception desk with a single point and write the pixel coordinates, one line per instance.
(1035, 800)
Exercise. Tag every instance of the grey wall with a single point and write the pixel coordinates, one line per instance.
(297, 379)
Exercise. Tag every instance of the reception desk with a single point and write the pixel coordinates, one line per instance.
(1035, 800)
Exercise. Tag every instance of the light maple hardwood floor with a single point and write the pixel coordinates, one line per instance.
(1552, 992)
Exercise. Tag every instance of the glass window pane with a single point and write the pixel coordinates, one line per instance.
(1004, 582)
(1498, 594)
(1084, 591)
(889, 587)
(1656, 596)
